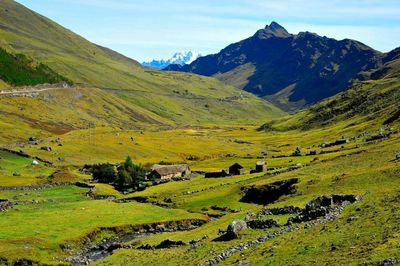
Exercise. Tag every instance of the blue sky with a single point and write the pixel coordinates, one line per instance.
(157, 29)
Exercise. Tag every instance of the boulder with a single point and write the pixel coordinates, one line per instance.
(398, 156)
(232, 232)
(5, 204)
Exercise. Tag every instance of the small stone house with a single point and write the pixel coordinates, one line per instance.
(169, 172)
(237, 169)
(261, 167)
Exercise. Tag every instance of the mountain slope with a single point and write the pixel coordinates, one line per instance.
(291, 70)
(175, 97)
(373, 102)
(391, 67)
(18, 70)
(181, 59)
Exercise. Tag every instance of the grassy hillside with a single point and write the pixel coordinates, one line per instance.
(391, 67)
(18, 70)
(374, 101)
(177, 97)
(57, 111)
(3, 84)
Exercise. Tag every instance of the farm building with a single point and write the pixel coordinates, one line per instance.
(237, 169)
(261, 166)
(222, 173)
(169, 172)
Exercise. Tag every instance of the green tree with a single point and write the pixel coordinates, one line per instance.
(104, 173)
(130, 174)
(124, 179)
(128, 164)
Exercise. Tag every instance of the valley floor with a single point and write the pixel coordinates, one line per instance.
(56, 223)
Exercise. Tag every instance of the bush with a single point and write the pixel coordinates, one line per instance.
(127, 175)
(104, 173)
(265, 127)
(124, 179)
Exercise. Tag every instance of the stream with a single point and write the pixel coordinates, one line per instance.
(100, 250)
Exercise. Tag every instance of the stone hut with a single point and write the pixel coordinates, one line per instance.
(169, 172)
(237, 169)
(261, 167)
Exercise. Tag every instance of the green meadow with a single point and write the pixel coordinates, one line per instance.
(359, 167)
(115, 108)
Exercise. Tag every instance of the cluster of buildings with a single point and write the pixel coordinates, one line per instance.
(180, 171)
(237, 169)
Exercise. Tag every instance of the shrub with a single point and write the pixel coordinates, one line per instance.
(104, 173)
(127, 175)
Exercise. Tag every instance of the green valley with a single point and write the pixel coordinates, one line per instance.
(211, 174)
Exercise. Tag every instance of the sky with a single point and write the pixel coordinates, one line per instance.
(156, 29)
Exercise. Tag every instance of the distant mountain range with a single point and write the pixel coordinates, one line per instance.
(291, 70)
(179, 59)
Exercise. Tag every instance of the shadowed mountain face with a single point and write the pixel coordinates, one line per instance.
(391, 66)
(291, 70)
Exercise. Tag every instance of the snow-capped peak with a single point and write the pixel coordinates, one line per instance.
(181, 58)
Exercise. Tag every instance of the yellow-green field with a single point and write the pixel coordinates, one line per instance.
(86, 126)
(35, 231)
(357, 234)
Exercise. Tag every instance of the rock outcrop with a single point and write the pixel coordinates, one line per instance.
(321, 206)
(5, 205)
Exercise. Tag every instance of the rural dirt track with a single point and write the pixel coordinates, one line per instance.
(26, 91)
